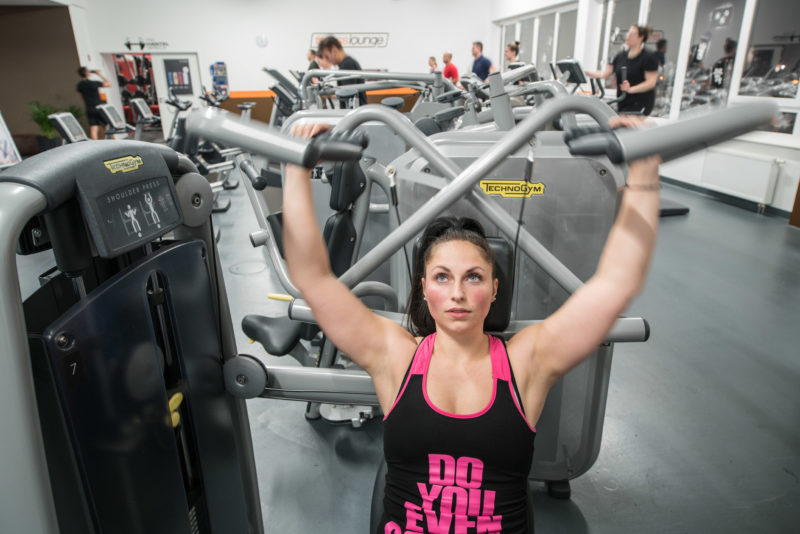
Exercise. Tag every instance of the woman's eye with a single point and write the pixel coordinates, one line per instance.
(441, 277)
(474, 277)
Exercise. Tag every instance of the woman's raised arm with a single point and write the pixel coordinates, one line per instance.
(364, 336)
(548, 350)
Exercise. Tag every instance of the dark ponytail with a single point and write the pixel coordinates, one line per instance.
(644, 31)
(442, 230)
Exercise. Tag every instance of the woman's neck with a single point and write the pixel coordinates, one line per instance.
(635, 50)
(466, 346)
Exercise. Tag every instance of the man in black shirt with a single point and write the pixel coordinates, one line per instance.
(331, 49)
(91, 97)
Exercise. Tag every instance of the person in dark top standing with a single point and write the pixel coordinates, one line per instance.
(311, 56)
(661, 52)
(637, 72)
(331, 50)
(721, 71)
(482, 66)
(91, 98)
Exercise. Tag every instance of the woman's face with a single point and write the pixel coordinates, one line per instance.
(510, 56)
(458, 286)
(633, 39)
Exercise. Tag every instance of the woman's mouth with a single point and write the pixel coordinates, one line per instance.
(458, 312)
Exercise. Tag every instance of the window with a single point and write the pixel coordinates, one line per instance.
(543, 38)
(526, 40)
(709, 67)
(666, 19)
(772, 63)
(567, 26)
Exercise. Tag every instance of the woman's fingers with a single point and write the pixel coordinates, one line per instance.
(308, 130)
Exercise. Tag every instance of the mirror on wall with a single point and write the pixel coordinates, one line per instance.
(666, 19)
(713, 49)
(772, 63)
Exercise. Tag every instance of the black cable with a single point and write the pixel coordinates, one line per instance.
(528, 175)
(393, 190)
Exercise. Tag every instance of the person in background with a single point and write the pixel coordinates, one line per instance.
(481, 66)
(512, 52)
(89, 90)
(450, 71)
(311, 56)
(637, 72)
(661, 52)
(721, 71)
(434, 67)
(332, 51)
(319, 63)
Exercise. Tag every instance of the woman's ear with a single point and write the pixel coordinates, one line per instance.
(494, 291)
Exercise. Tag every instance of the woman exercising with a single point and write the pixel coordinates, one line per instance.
(637, 72)
(512, 52)
(461, 406)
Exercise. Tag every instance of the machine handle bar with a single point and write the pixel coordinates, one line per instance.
(676, 139)
(254, 137)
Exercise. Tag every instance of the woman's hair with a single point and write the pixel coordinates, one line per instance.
(514, 47)
(82, 71)
(442, 230)
(644, 31)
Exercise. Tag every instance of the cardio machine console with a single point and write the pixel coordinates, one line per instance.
(68, 127)
(129, 205)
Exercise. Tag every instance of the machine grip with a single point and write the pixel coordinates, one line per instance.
(676, 139)
(258, 181)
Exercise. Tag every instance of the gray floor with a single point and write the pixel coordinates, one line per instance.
(701, 430)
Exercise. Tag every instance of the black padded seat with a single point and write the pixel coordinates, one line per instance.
(394, 102)
(246, 105)
(278, 335)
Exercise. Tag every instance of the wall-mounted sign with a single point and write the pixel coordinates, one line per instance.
(354, 40)
(178, 77)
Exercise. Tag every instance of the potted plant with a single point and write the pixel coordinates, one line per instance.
(39, 114)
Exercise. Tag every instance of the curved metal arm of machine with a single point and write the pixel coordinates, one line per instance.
(247, 377)
(515, 75)
(676, 139)
(462, 181)
(439, 83)
(30, 507)
(625, 329)
(229, 129)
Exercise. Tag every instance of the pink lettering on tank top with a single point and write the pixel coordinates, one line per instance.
(452, 498)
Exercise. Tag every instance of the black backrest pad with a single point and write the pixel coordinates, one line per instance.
(340, 238)
(347, 184)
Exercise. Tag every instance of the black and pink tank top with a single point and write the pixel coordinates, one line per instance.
(449, 473)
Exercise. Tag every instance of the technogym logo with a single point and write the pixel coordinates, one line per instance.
(125, 164)
(512, 188)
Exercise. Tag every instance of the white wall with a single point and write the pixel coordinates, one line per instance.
(226, 31)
